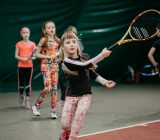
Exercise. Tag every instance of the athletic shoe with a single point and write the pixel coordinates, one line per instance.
(64, 135)
(53, 114)
(24, 101)
(27, 105)
(21, 101)
(36, 111)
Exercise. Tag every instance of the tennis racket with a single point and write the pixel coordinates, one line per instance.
(143, 27)
(33, 53)
(150, 70)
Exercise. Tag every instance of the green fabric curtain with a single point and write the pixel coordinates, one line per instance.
(101, 22)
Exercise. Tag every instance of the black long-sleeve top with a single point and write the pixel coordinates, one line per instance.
(79, 85)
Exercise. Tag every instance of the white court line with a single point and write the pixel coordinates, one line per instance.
(140, 124)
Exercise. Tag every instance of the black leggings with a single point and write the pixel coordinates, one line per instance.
(24, 80)
(63, 84)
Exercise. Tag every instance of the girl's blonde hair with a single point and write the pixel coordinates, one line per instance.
(69, 35)
(24, 28)
(43, 30)
(71, 29)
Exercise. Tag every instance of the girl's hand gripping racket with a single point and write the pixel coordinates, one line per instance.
(143, 27)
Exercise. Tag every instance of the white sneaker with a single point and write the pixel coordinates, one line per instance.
(24, 101)
(27, 105)
(21, 101)
(53, 114)
(36, 111)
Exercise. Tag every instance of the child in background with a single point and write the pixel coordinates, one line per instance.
(47, 51)
(78, 94)
(23, 54)
(154, 52)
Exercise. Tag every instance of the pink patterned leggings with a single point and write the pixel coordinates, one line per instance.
(73, 114)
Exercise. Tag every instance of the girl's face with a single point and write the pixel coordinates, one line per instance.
(25, 33)
(70, 47)
(50, 28)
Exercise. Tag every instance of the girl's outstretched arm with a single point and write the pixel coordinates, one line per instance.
(76, 65)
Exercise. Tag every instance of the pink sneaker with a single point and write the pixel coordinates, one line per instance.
(64, 135)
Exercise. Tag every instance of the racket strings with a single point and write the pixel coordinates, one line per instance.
(144, 26)
(140, 33)
(145, 33)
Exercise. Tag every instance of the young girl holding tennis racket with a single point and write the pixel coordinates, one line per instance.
(23, 53)
(79, 94)
(64, 75)
(47, 51)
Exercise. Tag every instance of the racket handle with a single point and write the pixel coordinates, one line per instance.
(112, 46)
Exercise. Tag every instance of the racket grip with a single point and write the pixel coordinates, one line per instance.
(112, 46)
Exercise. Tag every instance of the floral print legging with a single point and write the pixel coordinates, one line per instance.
(73, 114)
(50, 86)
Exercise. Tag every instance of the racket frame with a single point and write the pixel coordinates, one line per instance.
(123, 40)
